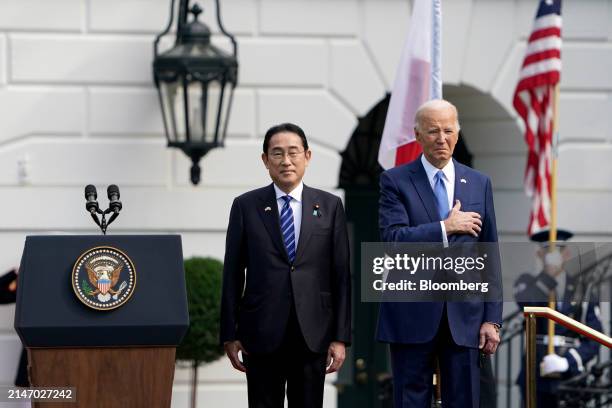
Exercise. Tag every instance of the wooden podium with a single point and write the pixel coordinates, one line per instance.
(123, 357)
(106, 377)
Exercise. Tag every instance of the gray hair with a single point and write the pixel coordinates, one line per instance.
(434, 104)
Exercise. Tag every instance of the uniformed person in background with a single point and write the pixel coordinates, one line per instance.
(8, 294)
(576, 299)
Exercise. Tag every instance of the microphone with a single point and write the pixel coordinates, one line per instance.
(113, 196)
(91, 196)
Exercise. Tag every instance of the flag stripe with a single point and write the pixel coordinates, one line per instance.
(550, 20)
(541, 56)
(546, 32)
(541, 67)
(533, 101)
(543, 44)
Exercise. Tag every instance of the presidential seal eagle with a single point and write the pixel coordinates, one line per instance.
(104, 278)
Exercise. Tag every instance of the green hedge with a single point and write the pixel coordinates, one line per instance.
(203, 277)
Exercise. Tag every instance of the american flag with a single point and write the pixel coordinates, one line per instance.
(534, 100)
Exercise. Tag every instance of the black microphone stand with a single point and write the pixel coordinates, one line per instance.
(103, 224)
(114, 208)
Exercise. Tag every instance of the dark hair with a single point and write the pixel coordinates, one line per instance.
(284, 127)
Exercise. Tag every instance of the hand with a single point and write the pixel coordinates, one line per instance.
(553, 363)
(231, 349)
(12, 287)
(336, 353)
(489, 338)
(459, 222)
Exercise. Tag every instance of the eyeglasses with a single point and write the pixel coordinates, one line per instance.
(279, 155)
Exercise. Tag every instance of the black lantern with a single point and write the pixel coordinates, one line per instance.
(195, 81)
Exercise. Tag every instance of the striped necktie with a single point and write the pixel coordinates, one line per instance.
(287, 228)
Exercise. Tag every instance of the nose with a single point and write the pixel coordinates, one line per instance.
(440, 137)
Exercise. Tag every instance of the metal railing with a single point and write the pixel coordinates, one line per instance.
(599, 273)
(511, 342)
(530, 315)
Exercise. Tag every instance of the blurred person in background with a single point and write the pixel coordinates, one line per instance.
(574, 299)
(8, 294)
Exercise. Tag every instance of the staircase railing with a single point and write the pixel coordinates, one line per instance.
(511, 343)
(531, 313)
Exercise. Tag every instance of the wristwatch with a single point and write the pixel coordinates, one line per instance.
(496, 325)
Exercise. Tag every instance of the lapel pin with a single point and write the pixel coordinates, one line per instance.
(267, 209)
(315, 210)
(463, 181)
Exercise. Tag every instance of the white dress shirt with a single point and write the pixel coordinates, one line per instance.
(449, 183)
(295, 204)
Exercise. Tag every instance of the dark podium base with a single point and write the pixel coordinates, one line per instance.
(127, 377)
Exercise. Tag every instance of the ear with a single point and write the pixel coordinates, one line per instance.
(418, 136)
(264, 159)
(308, 155)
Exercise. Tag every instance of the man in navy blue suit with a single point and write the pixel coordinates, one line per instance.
(437, 199)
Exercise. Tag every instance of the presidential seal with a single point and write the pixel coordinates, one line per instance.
(103, 278)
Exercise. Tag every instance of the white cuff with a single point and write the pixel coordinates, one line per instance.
(444, 237)
(553, 363)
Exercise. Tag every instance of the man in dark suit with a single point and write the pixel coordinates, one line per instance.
(286, 280)
(436, 199)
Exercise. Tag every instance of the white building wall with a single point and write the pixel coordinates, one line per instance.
(78, 107)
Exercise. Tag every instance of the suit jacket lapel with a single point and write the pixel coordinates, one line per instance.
(462, 191)
(268, 210)
(308, 201)
(423, 188)
(462, 186)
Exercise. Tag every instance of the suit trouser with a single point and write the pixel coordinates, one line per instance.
(488, 391)
(413, 367)
(543, 399)
(293, 365)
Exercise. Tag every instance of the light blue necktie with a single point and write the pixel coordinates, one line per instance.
(287, 228)
(441, 195)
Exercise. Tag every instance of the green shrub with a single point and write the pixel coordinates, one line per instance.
(203, 278)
